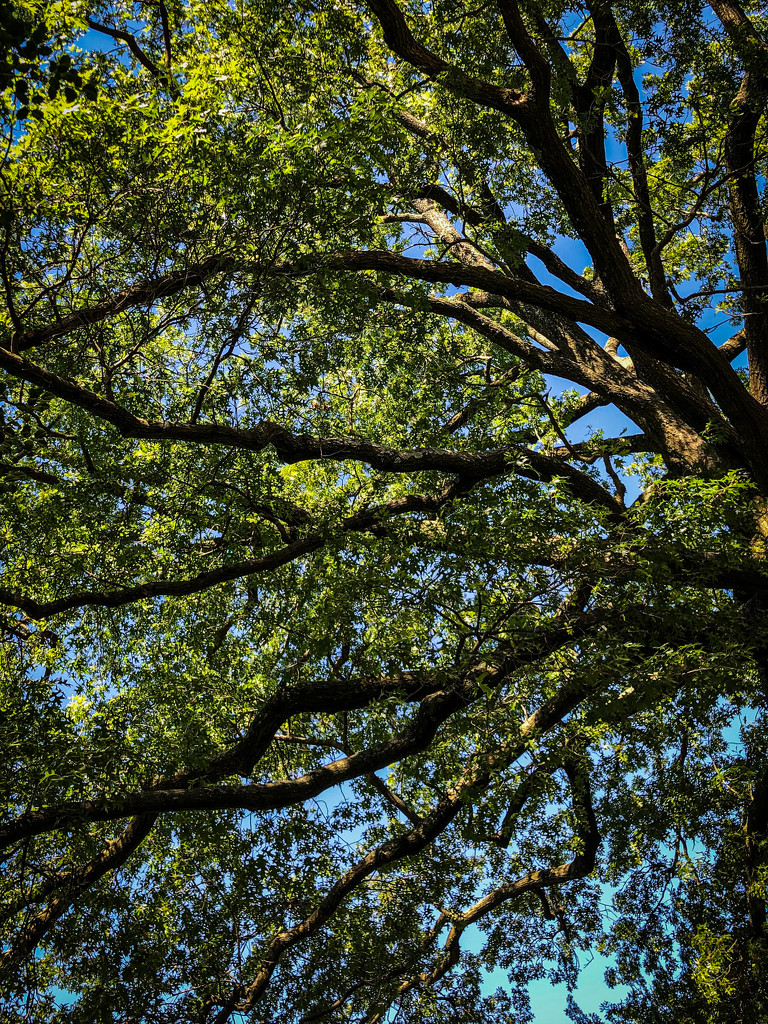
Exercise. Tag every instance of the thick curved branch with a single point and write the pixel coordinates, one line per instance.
(141, 293)
(400, 39)
(470, 469)
(655, 330)
(74, 883)
(186, 790)
(585, 405)
(590, 106)
(292, 448)
(244, 998)
(476, 776)
(160, 588)
(538, 67)
(531, 112)
(162, 75)
(735, 345)
(589, 289)
(534, 881)
(634, 143)
(748, 42)
(591, 451)
(460, 921)
(748, 233)
(370, 518)
(449, 273)
(130, 42)
(434, 709)
(610, 381)
(584, 362)
(650, 329)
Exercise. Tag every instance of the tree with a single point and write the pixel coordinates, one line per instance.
(342, 664)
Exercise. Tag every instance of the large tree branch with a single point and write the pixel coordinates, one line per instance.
(537, 66)
(585, 363)
(369, 518)
(735, 345)
(748, 42)
(651, 330)
(589, 289)
(161, 74)
(531, 112)
(434, 709)
(579, 358)
(532, 882)
(292, 448)
(656, 331)
(186, 790)
(76, 882)
(162, 587)
(595, 369)
(476, 776)
(535, 881)
(449, 273)
(400, 39)
(634, 143)
(749, 236)
(590, 106)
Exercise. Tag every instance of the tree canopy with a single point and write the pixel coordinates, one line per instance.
(384, 484)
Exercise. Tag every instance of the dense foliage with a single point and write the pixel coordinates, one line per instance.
(383, 591)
